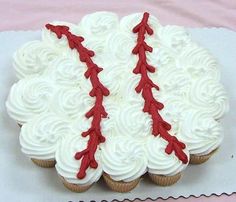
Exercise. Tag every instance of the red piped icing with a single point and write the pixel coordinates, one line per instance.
(97, 112)
(145, 86)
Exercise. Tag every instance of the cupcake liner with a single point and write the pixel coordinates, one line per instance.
(120, 186)
(163, 180)
(44, 163)
(74, 187)
(195, 159)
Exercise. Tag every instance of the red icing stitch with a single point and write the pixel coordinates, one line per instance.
(152, 106)
(97, 112)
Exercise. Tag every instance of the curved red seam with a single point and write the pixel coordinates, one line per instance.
(97, 112)
(145, 86)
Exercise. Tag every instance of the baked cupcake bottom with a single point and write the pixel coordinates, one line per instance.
(44, 163)
(74, 187)
(199, 159)
(164, 180)
(120, 186)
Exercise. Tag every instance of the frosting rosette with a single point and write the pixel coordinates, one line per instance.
(98, 25)
(33, 58)
(210, 96)
(159, 162)
(201, 132)
(174, 111)
(40, 137)
(199, 63)
(173, 37)
(67, 71)
(67, 166)
(131, 121)
(113, 78)
(29, 97)
(118, 46)
(124, 158)
(173, 81)
(72, 103)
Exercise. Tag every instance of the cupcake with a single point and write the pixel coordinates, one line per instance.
(28, 98)
(163, 169)
(40, 137)
(201, 158)
(202, 134)
(44, 163)
(68, 167)
(33, 58)
(120, 186)
(124, 161)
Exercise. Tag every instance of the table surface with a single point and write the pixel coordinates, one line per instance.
(32, 15)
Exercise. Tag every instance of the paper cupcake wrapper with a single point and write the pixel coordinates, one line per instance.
(74, 187)
(195, 159)
(163, 180)
(44, 163)
(120, 186)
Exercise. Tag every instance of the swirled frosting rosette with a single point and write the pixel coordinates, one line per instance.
(29, 97)
(41, 136)
(117, 98)
(67, 165)
(124, 158)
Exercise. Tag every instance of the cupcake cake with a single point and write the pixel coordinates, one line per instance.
(117, 98)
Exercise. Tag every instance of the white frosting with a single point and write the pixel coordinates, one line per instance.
(200, 132)
(67, 166)
(198, 62)
(128, 93)
(159, 162)
(113, 78)
(52, 81)
(40, 137)
(108, 124)
(29, 97)
(173, 82)
(99, 24)
(173, 37)
(124, 158)
(173, 112)
(72, 102)
(130, 120)
(118, 46)
(33, 58)
(210, 96)
(66, 71)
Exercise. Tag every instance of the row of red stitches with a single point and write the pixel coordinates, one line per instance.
(97, 112)
(145, 86)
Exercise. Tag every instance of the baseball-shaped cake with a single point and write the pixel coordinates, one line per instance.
(118, 99)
